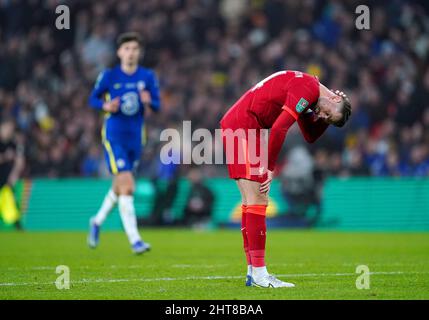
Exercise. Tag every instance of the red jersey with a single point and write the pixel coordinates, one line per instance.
(293, 91)
(277, 102)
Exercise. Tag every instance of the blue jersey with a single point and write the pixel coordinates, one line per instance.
(127, 123)
(122, 130)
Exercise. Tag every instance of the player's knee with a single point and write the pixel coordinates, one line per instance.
(126, 190)
(125, 184)
(257, 198)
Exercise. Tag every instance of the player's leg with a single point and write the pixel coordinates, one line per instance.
(109, 202)
(237, 170)
(241, 168)
(256, 234)
(255, 223)
(124, 186)
(244, 234)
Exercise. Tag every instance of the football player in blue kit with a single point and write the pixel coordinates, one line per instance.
(123, 93)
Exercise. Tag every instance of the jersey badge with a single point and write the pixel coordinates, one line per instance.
(301, 105)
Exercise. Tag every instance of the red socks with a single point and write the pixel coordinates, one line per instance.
(254, 233)
(244, 233)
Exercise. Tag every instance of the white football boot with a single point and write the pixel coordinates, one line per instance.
(269, 281)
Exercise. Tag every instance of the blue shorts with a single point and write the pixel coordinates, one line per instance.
(121, 156)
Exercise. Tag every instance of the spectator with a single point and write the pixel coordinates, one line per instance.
(299, 184)
(199, 203)
(11, 165)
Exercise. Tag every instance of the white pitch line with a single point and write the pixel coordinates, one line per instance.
(14, 284)
(209, 266)
(78, 267)
(179, 266)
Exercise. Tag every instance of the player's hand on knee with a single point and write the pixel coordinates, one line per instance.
(112, 106)
(265, 186)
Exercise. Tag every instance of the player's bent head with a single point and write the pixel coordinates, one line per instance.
(129, 37)
(334, 108)
(345, 110)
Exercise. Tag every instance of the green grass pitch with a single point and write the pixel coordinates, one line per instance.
(188, 264)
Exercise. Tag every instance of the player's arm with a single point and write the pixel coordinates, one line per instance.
(151, 96)
(277, 136)
(311, 126)
(97, 96)
(275, 141)
(299, 97)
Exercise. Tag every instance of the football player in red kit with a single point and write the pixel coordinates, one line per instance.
(275, 103)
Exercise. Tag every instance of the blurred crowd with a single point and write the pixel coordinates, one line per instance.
(206, 54)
